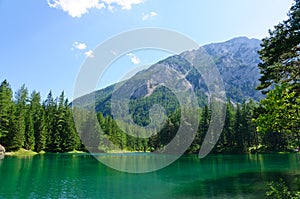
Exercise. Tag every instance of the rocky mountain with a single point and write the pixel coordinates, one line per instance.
(236, 61)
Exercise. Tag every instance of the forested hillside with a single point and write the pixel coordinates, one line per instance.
(27, 121)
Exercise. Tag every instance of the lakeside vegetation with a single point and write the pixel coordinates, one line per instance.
(48, 125)
(280, 110)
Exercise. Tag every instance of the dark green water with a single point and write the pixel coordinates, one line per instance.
(81, 176)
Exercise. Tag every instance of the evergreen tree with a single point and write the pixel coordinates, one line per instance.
(13, 141)
(7, 117)
(29, 131)
(167, 133)
(21, 97)
(204, 122)
(40, 132)
(70, 138)
(227, 136)
(53, 140)
(5, 105)
(195, 146)
(60, 126)
(248, 127)
(90, 133)
(38, 117)
(238, 128)
(280, 73)
(280, 53)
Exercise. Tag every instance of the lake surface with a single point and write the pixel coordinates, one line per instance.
(82, 176)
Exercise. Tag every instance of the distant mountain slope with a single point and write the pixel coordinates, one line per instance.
(236, 60)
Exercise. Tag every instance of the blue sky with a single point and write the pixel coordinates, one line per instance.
(44, 43)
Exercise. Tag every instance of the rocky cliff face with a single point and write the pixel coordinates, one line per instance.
(236, 60)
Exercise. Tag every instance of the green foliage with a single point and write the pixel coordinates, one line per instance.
(228, 130)
(8, 126)
(37, 113)
(90, 132)
(49, 126)
(21, 97)
(34, 125)
(279, 190)
(279, 112)
(50, 117)
(29, 132)
(5, 106)
(70, 137)
(280, 52)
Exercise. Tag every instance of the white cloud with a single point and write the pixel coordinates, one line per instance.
(110, 8)
(125, 4)
(149, 15)
(89, 54)
(79, 46)
(77, 8)
(134, 59)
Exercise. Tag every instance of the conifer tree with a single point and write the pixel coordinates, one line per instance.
(29, 131)
(21, 99)
(38, 117)
(7, 116)
(50, 107)
(281, 78)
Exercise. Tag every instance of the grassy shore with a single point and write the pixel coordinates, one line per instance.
(25, 153)
(21, 152)
(76, 152)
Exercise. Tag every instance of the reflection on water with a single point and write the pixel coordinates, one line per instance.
(136, 162)
(82, 176)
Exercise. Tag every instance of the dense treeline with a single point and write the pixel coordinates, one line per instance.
(239, 133)
(30, 123)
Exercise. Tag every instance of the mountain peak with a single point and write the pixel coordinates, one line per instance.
(244, 40)
(237, 41)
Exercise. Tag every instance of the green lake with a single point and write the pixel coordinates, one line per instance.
(82, 176)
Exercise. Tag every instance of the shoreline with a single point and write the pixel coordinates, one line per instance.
(21, 152)
(29, 153)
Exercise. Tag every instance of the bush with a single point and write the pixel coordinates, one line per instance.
(279, 190)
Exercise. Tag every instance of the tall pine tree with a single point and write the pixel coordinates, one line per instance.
(280, 69)
(21, 100)
(7, 117)
(38, 116)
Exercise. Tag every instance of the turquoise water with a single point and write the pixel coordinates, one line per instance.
(82, 176)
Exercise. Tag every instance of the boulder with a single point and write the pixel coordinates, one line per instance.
(2, 152)
(2, 149)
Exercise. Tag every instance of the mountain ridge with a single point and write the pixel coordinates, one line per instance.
(236, 60)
